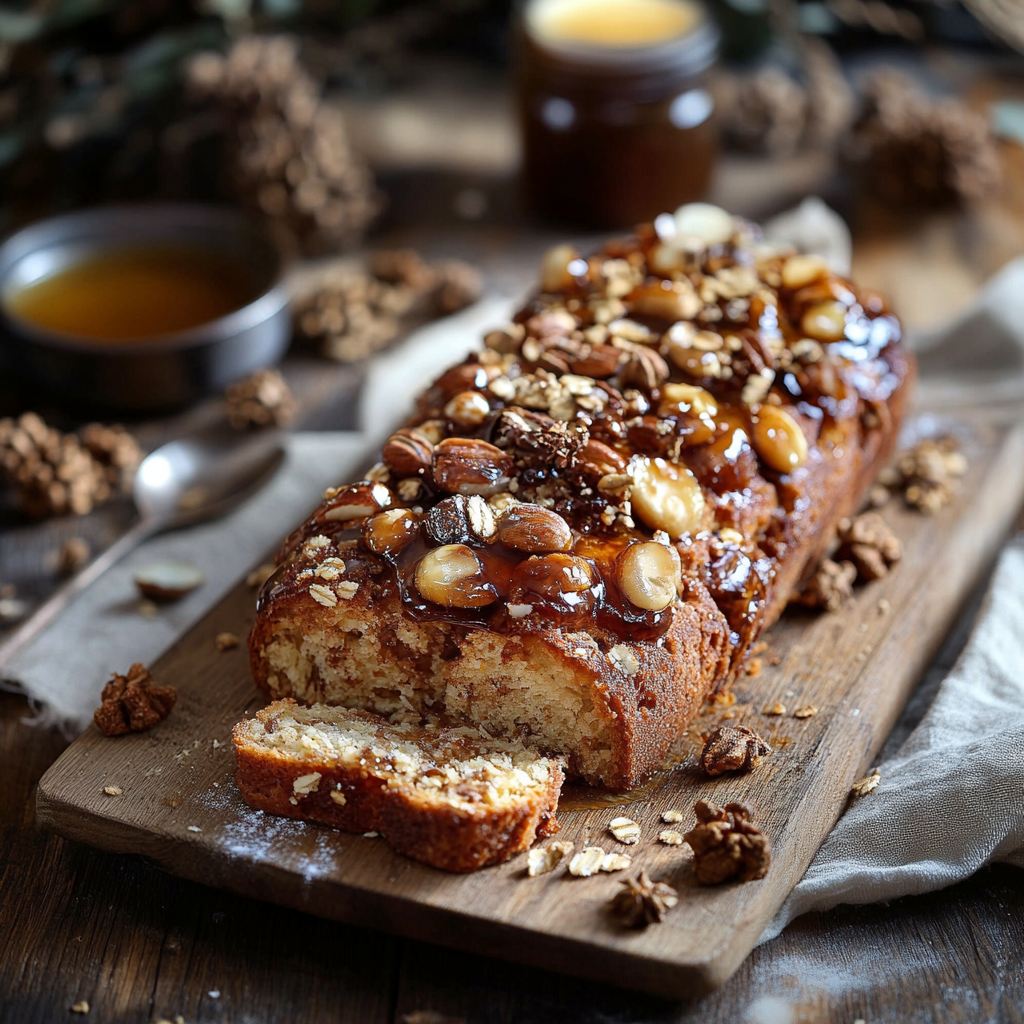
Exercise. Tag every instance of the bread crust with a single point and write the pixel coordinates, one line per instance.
(615, 704)
(452, 837)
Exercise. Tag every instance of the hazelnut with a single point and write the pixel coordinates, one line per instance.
(465, 465)
(464, 377)
(553, 576)
(650, 575)
(407, 452)
(688, 399)
(356, 502)
(778, 439)
(534, 529)
(554, 268)
(388, 532)
(453, 576)
(824, 321)
(467, 409)
(703, 224)
(666, 300)
(799, 271)
(666, 496)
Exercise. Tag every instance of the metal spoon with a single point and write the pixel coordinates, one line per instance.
(181, 483)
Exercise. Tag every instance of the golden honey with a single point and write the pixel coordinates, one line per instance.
(614, 23)
(133, 294)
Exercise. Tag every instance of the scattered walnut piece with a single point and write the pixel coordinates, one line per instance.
(226, 641)
(542, 859)
(927, 473)
(805, 711)
(73, 554)
(868, 784)
(641, 902)
(732, 749)
(726, 845)
(133, 702)
(263, 399)
(868, 542)
(830, 586)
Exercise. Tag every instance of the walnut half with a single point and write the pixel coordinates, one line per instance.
(133, 703)
(727, 846)
(732, 749)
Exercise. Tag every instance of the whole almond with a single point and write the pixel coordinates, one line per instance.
(600, 459)
(597, 361)
(356, 501)
(534, 529)
(464, 465)
(407, 452)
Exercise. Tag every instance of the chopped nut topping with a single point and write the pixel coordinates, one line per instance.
(641, 902)
(133, 703)
(543, 859)
(625, 830)
(868, 784)
(306, 784)
(226, 641)
(726, 845)
(732, 749)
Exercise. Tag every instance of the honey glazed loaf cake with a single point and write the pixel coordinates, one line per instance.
(448, 796)
(585, 525)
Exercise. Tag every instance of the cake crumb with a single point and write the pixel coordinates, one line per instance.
(777, 708)
(806, 711)
(112, 790)
(226, 641)
(868, 784)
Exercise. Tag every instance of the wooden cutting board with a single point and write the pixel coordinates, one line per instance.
(179, 806)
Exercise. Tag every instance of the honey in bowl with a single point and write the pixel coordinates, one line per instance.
(133, 294)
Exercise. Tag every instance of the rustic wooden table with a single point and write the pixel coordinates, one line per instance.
(139, 945)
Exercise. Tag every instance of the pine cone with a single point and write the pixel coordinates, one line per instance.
(912, 150)
(288, 154)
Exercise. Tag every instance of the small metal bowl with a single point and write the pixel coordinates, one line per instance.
(157, 373)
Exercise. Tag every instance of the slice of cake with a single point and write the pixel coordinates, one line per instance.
(450, 797)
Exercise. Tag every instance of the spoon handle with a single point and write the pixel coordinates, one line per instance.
(65, 594)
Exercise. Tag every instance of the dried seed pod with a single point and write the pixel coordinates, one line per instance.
(454, 577)
(649, 575)
(824, 321)
(388, 532)
(355, 502)
(407, 452)
(667, 497)
(465, 465)
(778, 439)
(534, 529)
(467, 409)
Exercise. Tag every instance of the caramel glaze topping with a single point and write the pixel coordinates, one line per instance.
(675, 388)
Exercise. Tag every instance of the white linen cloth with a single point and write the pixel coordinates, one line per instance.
(951, 796)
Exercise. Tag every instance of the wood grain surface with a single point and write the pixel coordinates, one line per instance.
(180, 809)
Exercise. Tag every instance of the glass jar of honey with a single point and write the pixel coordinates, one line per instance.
(615, 107)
